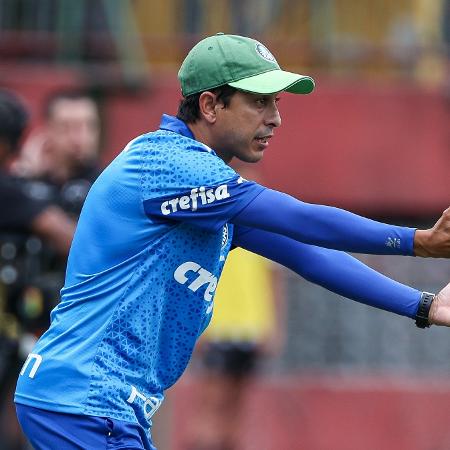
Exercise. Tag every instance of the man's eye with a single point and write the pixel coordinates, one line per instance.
(261, 101)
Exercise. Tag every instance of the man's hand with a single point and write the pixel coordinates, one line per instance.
(440, 308)
(434, 242)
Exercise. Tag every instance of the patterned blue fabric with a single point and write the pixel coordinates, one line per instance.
(149, 248)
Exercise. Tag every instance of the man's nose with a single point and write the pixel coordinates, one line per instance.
(273, 117)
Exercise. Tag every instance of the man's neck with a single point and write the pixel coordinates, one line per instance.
(202, 133)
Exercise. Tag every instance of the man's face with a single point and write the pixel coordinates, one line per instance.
(243, 128)
(73, 131)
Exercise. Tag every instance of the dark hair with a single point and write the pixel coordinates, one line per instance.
(13, 118)
(68, 94)
(189, 110)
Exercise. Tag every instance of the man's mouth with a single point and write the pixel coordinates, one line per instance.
(263, 139)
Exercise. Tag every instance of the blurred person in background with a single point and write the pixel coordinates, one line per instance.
(62, 158)
(245, 328)
(25, 223)
(58, 165)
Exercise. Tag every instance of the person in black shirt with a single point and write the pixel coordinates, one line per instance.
(20, 211)
(25, 223)
(59, 164)
(61, 160)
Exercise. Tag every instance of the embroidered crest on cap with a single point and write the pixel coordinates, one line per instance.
(264, 52)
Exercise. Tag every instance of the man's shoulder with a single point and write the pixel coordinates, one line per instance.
(182, 155)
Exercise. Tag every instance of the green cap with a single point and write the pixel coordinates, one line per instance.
(241, 62)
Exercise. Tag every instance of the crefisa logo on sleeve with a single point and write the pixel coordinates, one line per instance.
(197, 196)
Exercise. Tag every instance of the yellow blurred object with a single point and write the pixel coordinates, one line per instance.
(244, 305)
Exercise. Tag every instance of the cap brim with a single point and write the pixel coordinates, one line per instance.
(275, 81)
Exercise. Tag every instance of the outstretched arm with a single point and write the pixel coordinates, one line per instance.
(342, 274)
(338, 229)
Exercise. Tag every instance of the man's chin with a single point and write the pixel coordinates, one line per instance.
(254, 157)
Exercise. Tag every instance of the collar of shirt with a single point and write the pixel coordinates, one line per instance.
(171, 123)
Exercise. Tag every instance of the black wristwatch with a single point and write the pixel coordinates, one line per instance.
(424, 309)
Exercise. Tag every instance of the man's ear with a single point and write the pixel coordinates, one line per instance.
(207, 104)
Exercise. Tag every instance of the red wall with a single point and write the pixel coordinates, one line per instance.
(377, 150)
(326, 413)
(381, 149)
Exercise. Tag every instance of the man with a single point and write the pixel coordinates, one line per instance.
(21, 215)
(21, 212)
(62, 158)
(151, 242)
(58, 165)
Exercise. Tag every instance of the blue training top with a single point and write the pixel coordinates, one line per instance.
(149, 248)
(147, 254)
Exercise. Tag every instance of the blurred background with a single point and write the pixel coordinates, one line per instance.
(373, 138)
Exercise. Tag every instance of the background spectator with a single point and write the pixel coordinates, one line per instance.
(22, 215)
(63, 155)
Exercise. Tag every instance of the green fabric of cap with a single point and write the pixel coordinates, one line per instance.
(241, 62)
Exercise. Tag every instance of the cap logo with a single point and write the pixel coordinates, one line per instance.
(264, 52)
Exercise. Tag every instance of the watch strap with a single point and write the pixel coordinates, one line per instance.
(424, 309)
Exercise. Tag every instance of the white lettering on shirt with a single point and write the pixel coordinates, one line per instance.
(203, 278)
(197, 196)
(37, 362)
(151, 404)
